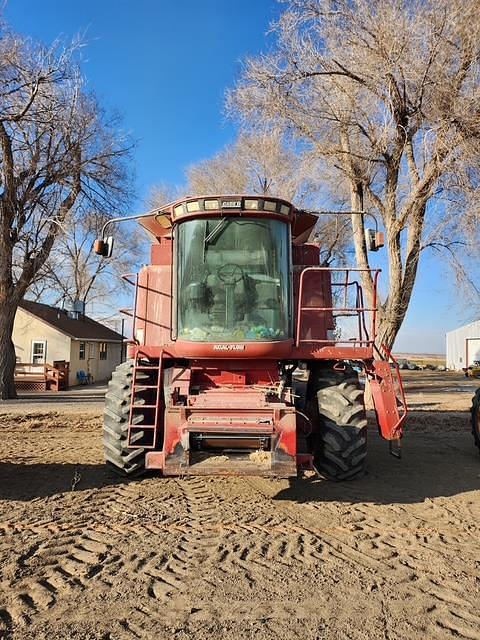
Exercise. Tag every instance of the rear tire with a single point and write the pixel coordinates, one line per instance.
(122, 459)
(476, 418)
(341, 441)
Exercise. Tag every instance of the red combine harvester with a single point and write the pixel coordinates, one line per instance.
(245, 352)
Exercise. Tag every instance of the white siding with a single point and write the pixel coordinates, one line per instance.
(27, 329)
(462, 344)
(100, 370)
(58, 346)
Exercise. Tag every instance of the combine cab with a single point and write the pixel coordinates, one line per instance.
(245, 352)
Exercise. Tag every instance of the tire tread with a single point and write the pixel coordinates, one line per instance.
(119, 456)
(341, 444)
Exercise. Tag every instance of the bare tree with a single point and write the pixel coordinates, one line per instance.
(163, 193)
(269, 162)
(58, 154)
(74, 272)
(261, 162)
(461, 257)
(387, 94)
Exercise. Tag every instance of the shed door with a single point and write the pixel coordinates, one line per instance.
(473, 350)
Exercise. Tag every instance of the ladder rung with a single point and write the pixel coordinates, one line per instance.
(145, 386)
(143, 426)
(143, 406)
(143, 446)
(147, 368)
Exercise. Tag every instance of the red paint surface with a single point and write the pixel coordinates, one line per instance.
(214, 390)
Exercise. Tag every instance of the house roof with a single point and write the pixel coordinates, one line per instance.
(82, 329)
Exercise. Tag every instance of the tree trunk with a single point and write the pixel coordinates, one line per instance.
(7, 352)
(387, 331)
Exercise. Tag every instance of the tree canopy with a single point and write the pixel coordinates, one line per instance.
(60, 154)
(386, 93)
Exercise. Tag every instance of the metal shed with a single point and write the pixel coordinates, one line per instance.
(463, 346)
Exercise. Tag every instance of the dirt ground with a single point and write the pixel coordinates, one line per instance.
(392, 555)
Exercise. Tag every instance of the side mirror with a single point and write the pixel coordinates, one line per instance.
(104, 247)
(374, 240)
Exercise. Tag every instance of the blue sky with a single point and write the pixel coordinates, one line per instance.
(165, 66)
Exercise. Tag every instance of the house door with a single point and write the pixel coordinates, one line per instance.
(92, 364)
(39, 349)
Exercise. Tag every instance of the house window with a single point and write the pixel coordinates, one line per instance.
(39, 348)
(91, 350)
(81, 352)
(103, 351)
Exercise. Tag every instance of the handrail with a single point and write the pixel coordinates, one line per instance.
(358, 310)
(127, 277)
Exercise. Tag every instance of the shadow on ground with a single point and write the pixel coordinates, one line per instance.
(28, 481)
(424, 472)
(432, 465)
(439, 459)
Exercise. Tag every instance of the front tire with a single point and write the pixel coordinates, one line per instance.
(122, 459)
(341, 440)
(476, 418)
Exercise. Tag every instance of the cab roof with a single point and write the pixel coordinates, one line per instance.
(159, 224)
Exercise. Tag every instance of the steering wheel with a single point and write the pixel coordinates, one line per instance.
(230, 273)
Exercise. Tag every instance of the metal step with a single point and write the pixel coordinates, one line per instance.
(134, 427)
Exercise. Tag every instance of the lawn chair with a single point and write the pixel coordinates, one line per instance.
(82, 377)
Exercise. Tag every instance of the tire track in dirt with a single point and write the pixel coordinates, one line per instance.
(88, 545)
(403, 552)
(421, 538)
(65, 560)
(122, 537)
(221, 546)
(202, 558)
(334, 544)
(66, 564)
(177, 542)
(170, 575)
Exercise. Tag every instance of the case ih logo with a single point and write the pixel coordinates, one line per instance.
(229, 347)
(231, 204)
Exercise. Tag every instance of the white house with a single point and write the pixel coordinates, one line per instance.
(43, 334)
(463, 346)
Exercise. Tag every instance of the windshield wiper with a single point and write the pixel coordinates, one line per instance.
(214, 233)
